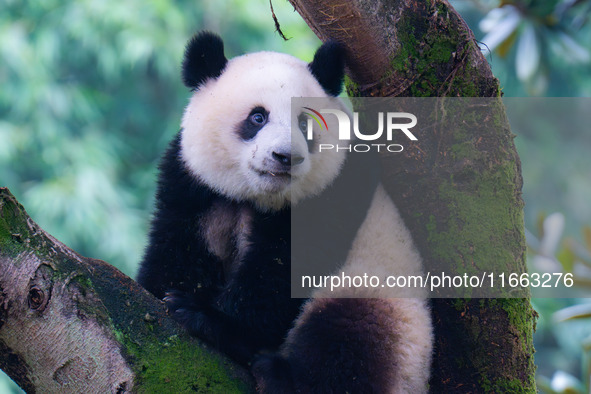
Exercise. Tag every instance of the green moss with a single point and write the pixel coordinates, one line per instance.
(351, 87)
(83, 282)
(460, 303)
(512, 374)
(475, 214)
(441, 51)
(5, 237)
(432, 55)
(505, 386)
(463, 150)
(499, 330)
(14, 232)
(477, 225)
(177, 366)
(522, 318)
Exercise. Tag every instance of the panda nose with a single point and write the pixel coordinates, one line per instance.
(286, 158)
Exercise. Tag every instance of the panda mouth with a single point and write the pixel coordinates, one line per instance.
(273, 174)
(276, 174)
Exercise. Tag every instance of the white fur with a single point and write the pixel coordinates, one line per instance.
(382, 247)
(214, 152)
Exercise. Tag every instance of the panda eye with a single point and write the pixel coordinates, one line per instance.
(303, 125)
(258, 118)
(253, 123)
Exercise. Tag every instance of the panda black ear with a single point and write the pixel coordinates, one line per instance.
(204, 58)
(328, 67)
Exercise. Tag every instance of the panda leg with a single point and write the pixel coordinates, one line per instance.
(351, 345)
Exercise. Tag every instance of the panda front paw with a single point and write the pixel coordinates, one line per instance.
(273, 374)
(187, 309)
(202, 320)
(179, 301)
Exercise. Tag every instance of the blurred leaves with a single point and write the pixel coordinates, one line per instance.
(570, 324)
(551, 253)
(499, 24)
(561, 383)
(542, 36)
(581, 311)
(528, 53)
(79, 82)
(552, 228)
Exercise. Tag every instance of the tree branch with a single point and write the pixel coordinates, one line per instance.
(74, 324)
(394, 44)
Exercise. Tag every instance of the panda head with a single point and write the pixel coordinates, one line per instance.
(240, 135)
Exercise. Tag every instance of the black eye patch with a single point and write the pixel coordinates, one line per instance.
(256, 119)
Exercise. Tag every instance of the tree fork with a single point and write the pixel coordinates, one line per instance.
(459, 192)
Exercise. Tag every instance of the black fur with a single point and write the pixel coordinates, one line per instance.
(343, 347)
(328, 66)
(204, 59)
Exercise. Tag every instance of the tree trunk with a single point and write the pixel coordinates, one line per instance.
(71, 324)
(463, 208)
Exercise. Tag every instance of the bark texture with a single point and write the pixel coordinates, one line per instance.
(458, 190)
(71, 324)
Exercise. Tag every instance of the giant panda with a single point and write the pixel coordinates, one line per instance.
(219, 251)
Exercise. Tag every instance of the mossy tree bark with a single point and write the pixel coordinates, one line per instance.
(70, 324)
(461, 192)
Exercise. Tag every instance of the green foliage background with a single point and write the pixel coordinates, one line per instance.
(90, 95)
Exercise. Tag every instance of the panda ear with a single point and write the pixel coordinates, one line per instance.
(204, 58)
(328, 67)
